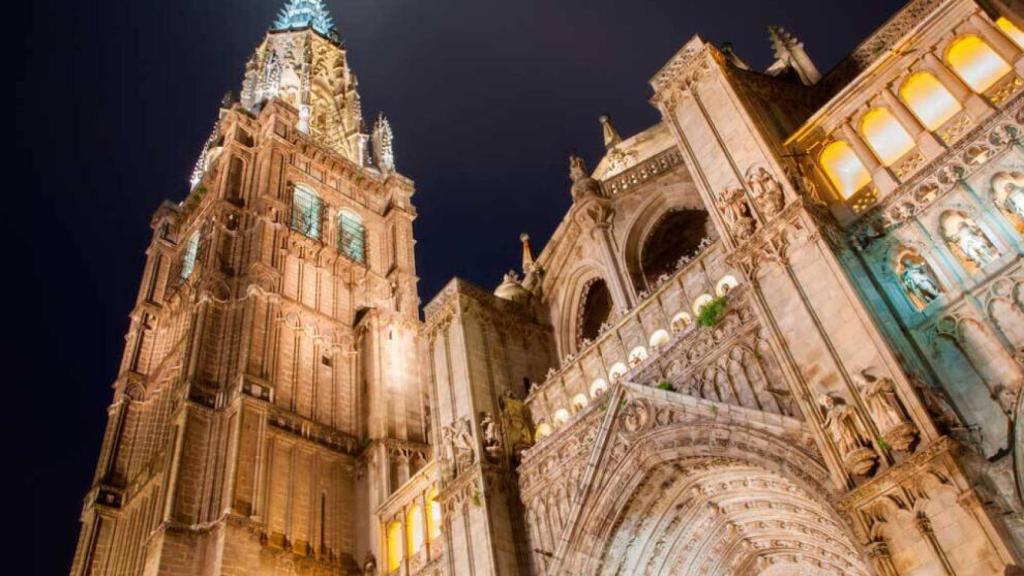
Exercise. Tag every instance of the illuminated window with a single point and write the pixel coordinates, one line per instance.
(885, 135)
(1014, 33)
(597, 387)
(434, 519)
(188, 258)
(726, 284)
(976, 63)
(543, 431)
(929, 100)
(395, 549)
(701, 301)
(414, 529)
(561, 416)
(616, 372)
(844, 169)
(351, 236)
(681, 321)
(306, 212)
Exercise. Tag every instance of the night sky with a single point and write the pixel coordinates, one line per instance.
(114, 100)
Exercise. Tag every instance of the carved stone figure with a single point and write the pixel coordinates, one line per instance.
(887, 410)
(369, 564)
(459, 444)
(1008, 189)
(516, 422)
(767, 191)
(936, 404)
(918, 281)
(974, 246)
(840, 421)
(583, 186)
(733, 204)
(492, 436)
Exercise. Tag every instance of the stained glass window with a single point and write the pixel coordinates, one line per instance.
(306, 212)
(351, 236)
(188, 258)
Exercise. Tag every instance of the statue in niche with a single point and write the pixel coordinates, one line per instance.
(936, 404)
(973, 244)
(733, 204)
(1008, 189)
(918, 280)
(767, 191)
(492, 437)
(840, 421)
(885, 407)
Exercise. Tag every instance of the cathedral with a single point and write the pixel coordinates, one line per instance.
(778, 333)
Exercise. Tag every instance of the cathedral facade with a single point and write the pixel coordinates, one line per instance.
(780, 332)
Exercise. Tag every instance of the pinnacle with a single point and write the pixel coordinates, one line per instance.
(306, 13)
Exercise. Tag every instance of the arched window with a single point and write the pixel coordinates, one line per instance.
(414, 529)
(351, 236)
(595, 309)
(929, 100)
(543, 431)
(976, 63)
(659, 338)
(395, 548)
(844, 169)
(887, 137)
(579, 402)
(434, 517)
(1011, 31)
(561, 416)
(188, 257)
(677, 234)
(597, 387)
(306, 212)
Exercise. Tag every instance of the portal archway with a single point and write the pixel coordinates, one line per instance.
(677, 233)
(678, 505)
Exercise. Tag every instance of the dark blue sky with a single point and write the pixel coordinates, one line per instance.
(113, 101)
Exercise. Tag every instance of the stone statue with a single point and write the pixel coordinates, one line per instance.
(936, 404)
(767, 191)
(517, 422)
(492, 437)
(459, 444)
(918, 282)
(887, 410)
(1009, 192)
(975, 247)
(733, 204)
(840, 421)
(583, 186)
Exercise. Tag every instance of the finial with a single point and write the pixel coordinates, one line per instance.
(577, 167)
(383, 144)
(789, 53)
(729, 51)
(306, 13)
(611, 135)
(527, 253)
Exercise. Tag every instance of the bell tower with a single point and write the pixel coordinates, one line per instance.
(269, 397)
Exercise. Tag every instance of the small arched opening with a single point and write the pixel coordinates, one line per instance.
(595, 310)
(677, 233)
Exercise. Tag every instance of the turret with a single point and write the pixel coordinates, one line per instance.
(790, 54)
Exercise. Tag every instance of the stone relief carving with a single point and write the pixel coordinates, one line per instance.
(887, 410)
(972, 244)
(766, 190)
(458, 443)
(738, 215)
(841, 422)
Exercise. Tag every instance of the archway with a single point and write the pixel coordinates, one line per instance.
(595, 310)
(677, 503)
(677, 233)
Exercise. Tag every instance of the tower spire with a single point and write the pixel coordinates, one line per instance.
(306, 14)
(611, 135)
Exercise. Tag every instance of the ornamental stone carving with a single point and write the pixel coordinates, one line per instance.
(736, 210)
(766, 190)
(491, 436)
(841, 422)
(458, 441)
(918, 280)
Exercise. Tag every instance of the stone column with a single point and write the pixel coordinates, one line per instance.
(924, 526)
(998, 41)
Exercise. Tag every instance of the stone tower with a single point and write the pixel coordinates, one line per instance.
(268, 399)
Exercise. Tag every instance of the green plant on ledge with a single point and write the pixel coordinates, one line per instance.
(712, 312)
(665, 385)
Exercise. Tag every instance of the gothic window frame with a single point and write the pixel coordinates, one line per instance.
(307, 212)
(188, 257)
(351, 236)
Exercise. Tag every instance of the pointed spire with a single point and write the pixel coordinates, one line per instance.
(789, 53)
(306, 13)
(383, 144)
(611, 135)
(527, 253)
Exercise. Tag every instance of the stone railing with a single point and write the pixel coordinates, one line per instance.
(663, 318)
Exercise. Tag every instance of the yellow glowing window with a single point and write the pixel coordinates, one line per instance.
(885, 135)
(1010, 30)
(929, 100)
(976, 63)
(414, 529)
(434, 519)
(844, 169)
(395, 549)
